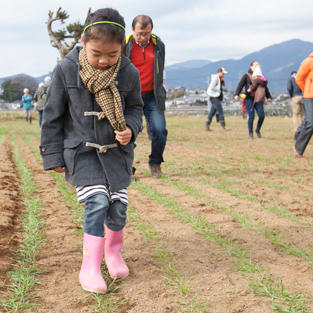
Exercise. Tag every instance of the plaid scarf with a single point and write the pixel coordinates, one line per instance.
(101, 83)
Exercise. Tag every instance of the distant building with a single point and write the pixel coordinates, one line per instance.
(179, 88)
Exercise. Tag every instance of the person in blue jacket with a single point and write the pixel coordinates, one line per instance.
(27, 105)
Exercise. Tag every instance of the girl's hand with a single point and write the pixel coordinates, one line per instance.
(59, 169)
(124, 137)
(236, 98)
(269, 100)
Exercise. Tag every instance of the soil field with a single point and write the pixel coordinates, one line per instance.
(227, 228)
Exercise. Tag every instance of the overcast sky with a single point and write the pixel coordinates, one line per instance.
(199, 29)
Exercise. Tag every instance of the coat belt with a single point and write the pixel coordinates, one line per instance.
(102, 149)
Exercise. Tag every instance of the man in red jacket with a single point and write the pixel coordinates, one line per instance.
(147, 52)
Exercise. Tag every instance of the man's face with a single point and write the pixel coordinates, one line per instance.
(142, 35)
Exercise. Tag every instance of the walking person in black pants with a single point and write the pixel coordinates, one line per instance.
(215, 92)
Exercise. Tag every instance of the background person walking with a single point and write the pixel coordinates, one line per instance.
(295, 93)
(304, 79)
(246, 81)
(27, 105)
(147, 52)
(40, 97)
(215, 91)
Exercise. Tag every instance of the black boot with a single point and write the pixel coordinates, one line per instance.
(224, 126)
(30, 120)
(250, 135)
(207, 125)
(26, 119)
(257, 131)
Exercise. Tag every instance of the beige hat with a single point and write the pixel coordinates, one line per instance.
(222, 69)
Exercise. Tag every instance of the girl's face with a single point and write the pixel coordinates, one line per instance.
(102, 55)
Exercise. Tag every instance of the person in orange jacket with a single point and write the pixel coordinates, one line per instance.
(304, 79)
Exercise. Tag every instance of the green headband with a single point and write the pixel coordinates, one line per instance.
(104, 22)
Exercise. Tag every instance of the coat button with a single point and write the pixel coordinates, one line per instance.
(43, 149)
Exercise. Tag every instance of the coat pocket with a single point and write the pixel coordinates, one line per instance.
(71, 147)
(128, 154)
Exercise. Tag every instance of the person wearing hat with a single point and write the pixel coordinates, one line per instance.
(27, 105)
(252, 106)
(40, 97)
(215, 93)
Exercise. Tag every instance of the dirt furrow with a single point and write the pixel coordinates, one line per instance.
(10, 210)
(296, 272)
(209, 266)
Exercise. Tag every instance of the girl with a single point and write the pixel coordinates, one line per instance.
(27, 105)
(92, 116)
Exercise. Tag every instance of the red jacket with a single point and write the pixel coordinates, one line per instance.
(304, 77)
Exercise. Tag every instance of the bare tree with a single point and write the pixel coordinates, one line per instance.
(58, 38)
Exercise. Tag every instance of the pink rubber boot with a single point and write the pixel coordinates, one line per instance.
(90, 275)
(113, 245)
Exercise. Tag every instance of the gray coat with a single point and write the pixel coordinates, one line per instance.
(70, 122)
(159, 62)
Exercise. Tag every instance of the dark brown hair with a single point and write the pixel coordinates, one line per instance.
(108, 33)
(253, 62)
(143, 20)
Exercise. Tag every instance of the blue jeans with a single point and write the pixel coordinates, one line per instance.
(259, 107)
(157, 128)
(40, 117)
(216, 107)
(99, 211)
(307, 131)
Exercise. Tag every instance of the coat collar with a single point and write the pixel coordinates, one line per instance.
(130, 36)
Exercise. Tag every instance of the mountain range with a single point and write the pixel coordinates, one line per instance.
(277, 62)
(38, 80)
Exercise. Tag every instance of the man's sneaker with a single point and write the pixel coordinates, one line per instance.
(257, 131)
(155, 171)
(250, 135)
(297, 153)
(227, 129)
(207, 126)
